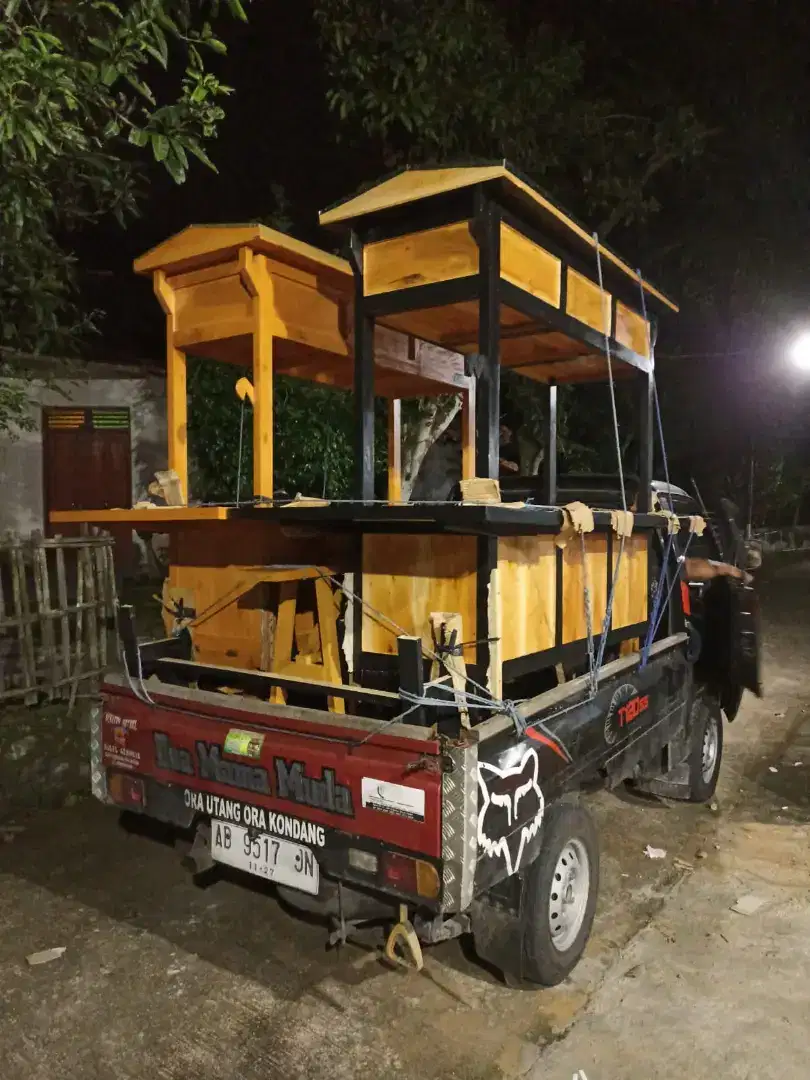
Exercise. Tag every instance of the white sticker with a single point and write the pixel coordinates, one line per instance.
(398, 799)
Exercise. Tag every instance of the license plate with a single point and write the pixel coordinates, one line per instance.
(265, 856)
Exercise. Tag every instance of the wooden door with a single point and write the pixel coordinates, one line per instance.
(87, 465)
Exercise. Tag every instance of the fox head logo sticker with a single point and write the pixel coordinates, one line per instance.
(511, 809)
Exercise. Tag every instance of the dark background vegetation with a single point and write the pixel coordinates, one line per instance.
(721, 224)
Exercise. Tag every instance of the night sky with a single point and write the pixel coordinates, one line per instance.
(731, 241)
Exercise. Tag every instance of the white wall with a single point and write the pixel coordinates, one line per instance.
(21, 491)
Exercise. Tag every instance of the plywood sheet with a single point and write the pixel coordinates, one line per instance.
(203, 565)
(528, 587)
(202, 310)
(574, 577)
(420, 258)
(631, 593)
(529, 266)
(584, 301)
(632, 330)
(408, 577)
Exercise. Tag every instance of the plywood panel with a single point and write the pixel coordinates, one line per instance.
(311, 314)
(455, 326)
(203, 567)
(631, 592)
(573, 586)
(530, 267)
(211, 303)
(420, 258)
(408, 577)
(584, 301)
(631, 330)
(528, 583)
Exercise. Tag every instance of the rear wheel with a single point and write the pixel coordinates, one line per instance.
(559, 896)
(705, 747)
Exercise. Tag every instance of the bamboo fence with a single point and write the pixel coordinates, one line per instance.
(57, 615)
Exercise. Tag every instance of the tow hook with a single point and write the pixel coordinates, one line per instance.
(403, 934)
(198, 858)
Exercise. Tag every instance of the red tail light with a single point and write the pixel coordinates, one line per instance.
(414, 876)
(125, 790)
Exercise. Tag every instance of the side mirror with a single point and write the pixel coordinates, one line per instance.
(753, 555)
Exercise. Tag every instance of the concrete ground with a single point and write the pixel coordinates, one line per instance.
(163, 979)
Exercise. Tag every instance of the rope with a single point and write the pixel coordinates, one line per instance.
(651, 354)
(609, 609)
(606, 329)
(596, 665)
(586, 590)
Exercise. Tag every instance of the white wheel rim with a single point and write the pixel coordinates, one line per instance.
(568, 898)
(711, 746)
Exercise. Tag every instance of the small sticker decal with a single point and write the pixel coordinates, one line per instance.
(396, 799)
(243, 743)
(511, 809)
(625, 706)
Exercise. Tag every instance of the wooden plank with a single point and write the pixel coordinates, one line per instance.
(495, 614)
(330, 649)
(395, 450)
(529, 266)
(468, 432)
(263, 327)
(631, 592)
(285, 632)
(64, 618)
(23, 611)
(528, 586)
(420, 258)
(495, 725)
(208, 273)
(88, 570)
(42, 586)
(632, 330)
(584, 301)
(406, 577)
(156, 516)
(453, 326)
(176, 394)
(573, 586)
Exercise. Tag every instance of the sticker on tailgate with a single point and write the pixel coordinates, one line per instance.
(391, 798)
(244, 743)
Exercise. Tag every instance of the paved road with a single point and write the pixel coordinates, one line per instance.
(162, 979)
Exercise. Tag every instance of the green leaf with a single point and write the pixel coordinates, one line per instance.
(194, 148)
(138, 137)
(236, 9)
(160, 146)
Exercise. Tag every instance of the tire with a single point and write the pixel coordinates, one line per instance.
(569, 836)
(705, 747)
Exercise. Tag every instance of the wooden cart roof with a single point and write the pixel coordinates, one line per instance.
(412, 185)
(198, 245)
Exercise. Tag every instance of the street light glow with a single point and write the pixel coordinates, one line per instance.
(800, 351)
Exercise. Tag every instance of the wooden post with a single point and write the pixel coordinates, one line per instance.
(363, 382)
(550, 459)
(394, 450)
(176, 392)
(258, 282)
(411, 675)
(468, 432)
(487, 235)
(645, 444)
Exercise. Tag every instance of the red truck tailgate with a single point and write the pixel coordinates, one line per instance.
(301, 765)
